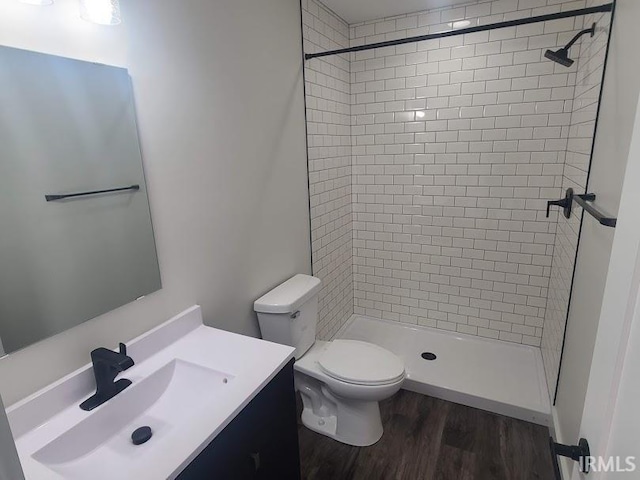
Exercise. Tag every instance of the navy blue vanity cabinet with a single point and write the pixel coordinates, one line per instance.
(260, 443)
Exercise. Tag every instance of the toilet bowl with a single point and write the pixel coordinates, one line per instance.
(341, 381)
(345, 407)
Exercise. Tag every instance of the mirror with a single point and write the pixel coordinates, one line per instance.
(68, 127)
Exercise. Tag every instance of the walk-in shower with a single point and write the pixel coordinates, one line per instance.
(433, 152)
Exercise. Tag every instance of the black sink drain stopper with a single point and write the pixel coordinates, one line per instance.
(141, 435)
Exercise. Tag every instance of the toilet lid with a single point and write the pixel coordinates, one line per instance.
(361, 363)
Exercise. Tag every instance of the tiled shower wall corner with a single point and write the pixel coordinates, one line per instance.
(590, 61)
(457, 144)
(329, 148)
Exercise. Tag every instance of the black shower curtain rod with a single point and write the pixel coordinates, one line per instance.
(479, 28)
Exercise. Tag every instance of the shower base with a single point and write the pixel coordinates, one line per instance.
(491, 375)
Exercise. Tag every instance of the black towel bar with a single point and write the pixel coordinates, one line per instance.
(52, 198)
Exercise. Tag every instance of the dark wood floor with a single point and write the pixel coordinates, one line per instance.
(428, 439)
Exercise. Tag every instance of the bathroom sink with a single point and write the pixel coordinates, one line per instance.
(101, 446)
(189, 382)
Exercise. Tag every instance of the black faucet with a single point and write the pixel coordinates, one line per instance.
(106, 365)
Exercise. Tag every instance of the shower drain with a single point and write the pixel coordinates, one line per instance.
(429, 356)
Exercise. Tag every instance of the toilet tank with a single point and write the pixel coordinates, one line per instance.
(288, 314)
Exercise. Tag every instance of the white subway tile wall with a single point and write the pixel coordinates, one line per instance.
(329, 149)
(590, 57)
(457, 144)
(431, 163)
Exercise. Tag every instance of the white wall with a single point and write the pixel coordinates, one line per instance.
(219, 98)
(626, 421)
(610, 421)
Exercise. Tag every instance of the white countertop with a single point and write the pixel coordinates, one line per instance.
(44, 416)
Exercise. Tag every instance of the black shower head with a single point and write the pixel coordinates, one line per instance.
(562, 56)
(559, 56)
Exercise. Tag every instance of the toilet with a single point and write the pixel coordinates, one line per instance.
(340, 381)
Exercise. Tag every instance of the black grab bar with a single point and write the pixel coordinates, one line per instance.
(584, 200)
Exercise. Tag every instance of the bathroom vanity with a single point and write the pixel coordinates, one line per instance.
(216, 404)
(261, 442)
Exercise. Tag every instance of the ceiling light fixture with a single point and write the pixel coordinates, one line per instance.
(102, 12)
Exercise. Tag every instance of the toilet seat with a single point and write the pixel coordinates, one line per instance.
(360, 363)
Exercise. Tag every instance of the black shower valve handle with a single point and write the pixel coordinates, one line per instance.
(558, 203)
(565, 203)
